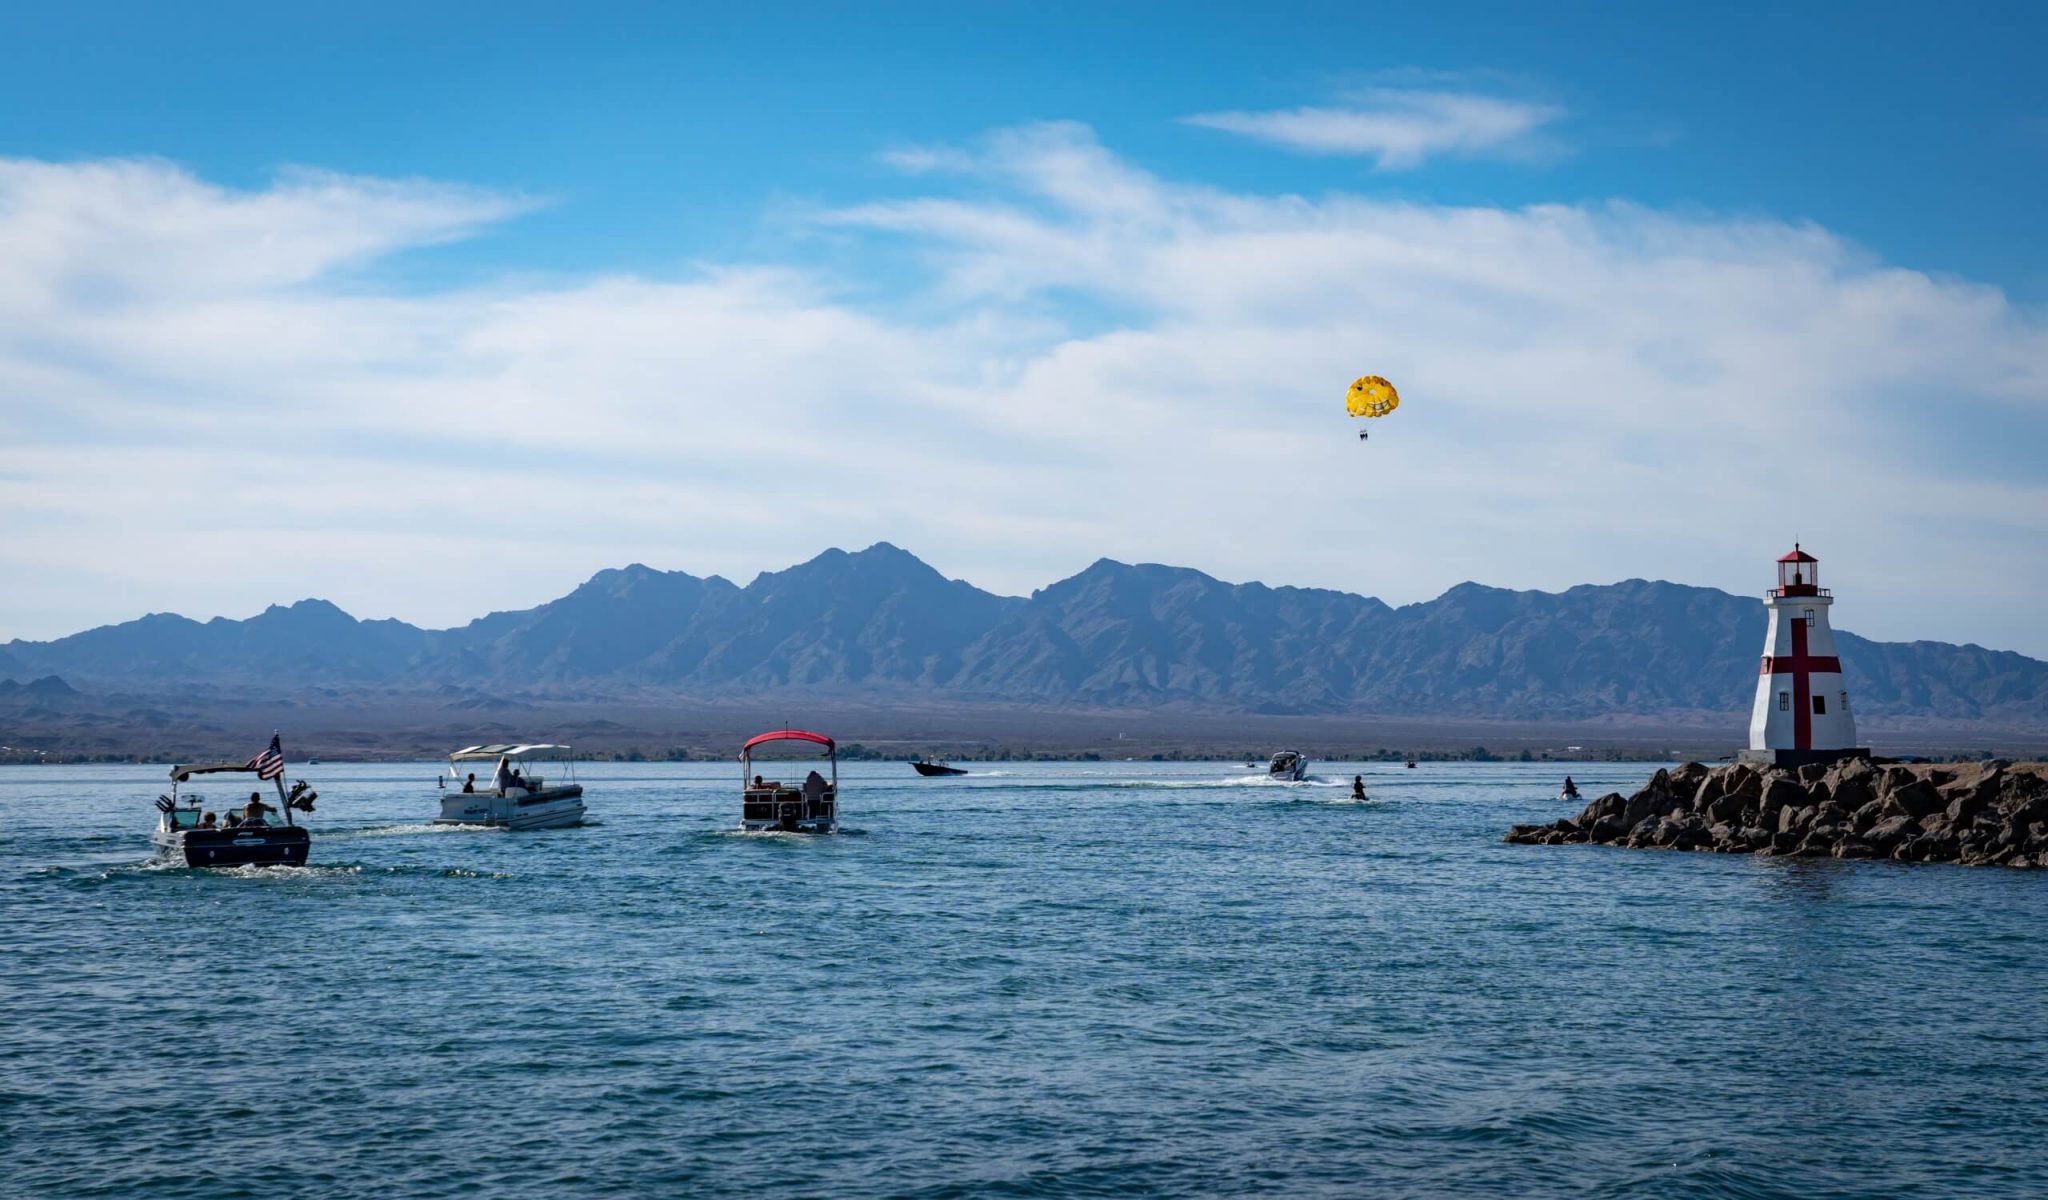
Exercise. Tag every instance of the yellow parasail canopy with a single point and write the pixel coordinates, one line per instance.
(1371, 396)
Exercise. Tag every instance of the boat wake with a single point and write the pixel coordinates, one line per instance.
(379, 831)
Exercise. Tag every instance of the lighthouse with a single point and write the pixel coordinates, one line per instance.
(1801, 713)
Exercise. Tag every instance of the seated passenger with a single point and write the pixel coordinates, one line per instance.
(469, 785)
(518, 780)
(758, 785)
(252, 813)
(814, 787)
(209, 821)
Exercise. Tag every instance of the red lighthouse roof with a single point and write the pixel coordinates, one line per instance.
(1797, 555)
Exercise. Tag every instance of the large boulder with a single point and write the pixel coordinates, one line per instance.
(1916, 798)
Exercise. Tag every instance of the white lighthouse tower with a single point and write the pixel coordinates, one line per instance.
(1802, 713)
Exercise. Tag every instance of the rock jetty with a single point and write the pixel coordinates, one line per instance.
(1976, 814)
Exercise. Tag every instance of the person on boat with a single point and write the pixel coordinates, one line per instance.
(209, 821)
(758, 785)
(1358, 787)
(814, 790)
(519, 780)
(502, 777)
(252, 813)
(469, 785)
(1571, 790)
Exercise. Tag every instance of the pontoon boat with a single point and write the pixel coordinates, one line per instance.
(771, 804)
(508, 797)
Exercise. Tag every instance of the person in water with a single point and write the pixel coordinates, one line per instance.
(1358, 787)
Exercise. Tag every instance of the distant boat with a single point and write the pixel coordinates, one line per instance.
(935, 766)
(1411, 762)
(1289, 765)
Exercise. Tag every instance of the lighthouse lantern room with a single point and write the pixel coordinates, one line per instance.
(1802, 712)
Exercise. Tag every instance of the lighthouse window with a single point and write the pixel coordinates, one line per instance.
(1809, 616)
(1784, 701)
(1820, 706)
(1845, 702)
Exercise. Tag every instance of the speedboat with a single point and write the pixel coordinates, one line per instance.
(929, 766)
(182, 838)
(770, 804)
(511, 798)
(1289, 765)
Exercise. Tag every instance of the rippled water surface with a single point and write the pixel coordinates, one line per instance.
(1112, 979)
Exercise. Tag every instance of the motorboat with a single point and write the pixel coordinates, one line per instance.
(1290, 765)
(929, 766)
(183, 837)
(771, 805)
(512, 797)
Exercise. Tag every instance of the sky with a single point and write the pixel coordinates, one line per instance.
(434, 310)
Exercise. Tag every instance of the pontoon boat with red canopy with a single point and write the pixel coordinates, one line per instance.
(772, 804)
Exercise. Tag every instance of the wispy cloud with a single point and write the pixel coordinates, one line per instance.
(1399, 128)
(1101, 361)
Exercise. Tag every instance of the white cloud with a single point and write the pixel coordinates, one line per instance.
(1399, 127)
(1106, 362)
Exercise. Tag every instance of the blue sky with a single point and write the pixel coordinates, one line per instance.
(1000, 231)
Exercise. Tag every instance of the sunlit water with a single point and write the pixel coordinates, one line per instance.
(1109, 979)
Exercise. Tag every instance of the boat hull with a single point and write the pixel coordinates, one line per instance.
(272, 846)
(931, 769)
(550, 808)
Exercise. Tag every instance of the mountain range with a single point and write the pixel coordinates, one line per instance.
(882, 623)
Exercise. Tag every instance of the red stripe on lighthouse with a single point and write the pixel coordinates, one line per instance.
(1801, 666)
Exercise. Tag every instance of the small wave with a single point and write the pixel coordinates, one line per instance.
(370, 831)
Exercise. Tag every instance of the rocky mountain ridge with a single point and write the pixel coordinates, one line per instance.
(881, 622)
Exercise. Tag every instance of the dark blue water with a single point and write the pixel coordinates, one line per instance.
(1108, 979)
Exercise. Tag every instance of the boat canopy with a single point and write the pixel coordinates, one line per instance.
(787, 735)
(181, 774)
(509, 750)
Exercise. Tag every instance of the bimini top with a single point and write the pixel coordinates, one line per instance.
(787, 735)
(181, 774)
(509, 750)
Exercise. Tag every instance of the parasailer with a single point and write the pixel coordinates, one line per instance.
(1370, 396)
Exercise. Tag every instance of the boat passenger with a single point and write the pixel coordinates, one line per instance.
(252, 813)
(469, 785)
(518, 780)
(502, 777)
(1358, 787)
(814, 788)
(209, 821)
(758, 785)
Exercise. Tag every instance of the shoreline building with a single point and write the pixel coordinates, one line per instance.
(1801, 714)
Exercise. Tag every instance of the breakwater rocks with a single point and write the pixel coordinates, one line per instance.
(1991, 813)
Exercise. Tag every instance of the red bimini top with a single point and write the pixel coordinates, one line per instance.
(787, 735)
(1797, 555)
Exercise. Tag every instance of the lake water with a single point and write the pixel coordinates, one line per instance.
(1044, 979)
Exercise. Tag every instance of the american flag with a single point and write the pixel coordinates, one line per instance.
(270, 763)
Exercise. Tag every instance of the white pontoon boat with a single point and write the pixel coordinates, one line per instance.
(510, 796)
